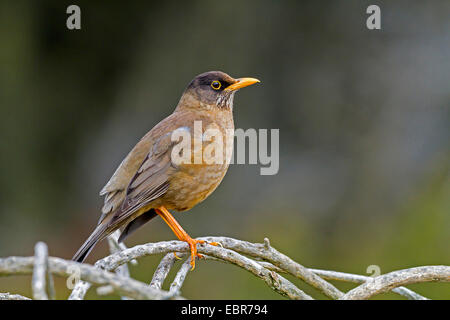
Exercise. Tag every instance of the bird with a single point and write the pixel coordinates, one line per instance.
(151, 180)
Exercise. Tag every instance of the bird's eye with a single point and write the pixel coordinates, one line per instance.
(216, 85)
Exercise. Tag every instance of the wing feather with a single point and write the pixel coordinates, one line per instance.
(150, 182)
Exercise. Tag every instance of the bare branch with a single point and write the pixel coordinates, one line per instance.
(292, 292)
(80, 290)
(8, 296)
(115, 246)
(356, 278)
(260, 259)
(122, 285)
(395, 279)
(268, 253)
(348, 277)
(163, 270)
(181, 276)
(277, 283)
(111, 262)
(40, 271)
(82, 287)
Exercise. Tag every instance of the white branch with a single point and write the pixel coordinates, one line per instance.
(348, 277)
(356, 278)
(122, 285)
(266, 252)
(163, 269)
(277, 283)
(181, 276)
(260, 259)
(113, 261)
(290, 290)
(39, 283)
(115, 246)
(395, 279)
(8, 296)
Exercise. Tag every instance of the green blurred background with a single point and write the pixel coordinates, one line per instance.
(363, 116)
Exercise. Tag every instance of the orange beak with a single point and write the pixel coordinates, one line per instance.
(241, 83)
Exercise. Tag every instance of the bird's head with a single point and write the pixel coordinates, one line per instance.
(213, 89)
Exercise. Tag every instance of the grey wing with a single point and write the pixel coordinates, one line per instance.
(113, 200)
(133, 186)
(150, 182)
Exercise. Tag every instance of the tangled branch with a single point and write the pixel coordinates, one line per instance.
(111, 274)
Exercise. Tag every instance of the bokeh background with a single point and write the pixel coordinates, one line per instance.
(363, 116)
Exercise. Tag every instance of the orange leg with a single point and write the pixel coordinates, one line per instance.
(181, 234)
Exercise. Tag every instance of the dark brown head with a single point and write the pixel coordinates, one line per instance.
(214, 89)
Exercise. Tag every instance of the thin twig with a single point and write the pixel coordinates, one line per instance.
(111, 262)
(40, 271)
(277, 283)
(122, 285)
(178, 281)
(348, 277)
(395, 279)
(79, 291)
(260, 259)
(9, 296)
(258, 251)
(294, 292)
(356, 278)
(115, 246)
(163, 270)
(268, 253)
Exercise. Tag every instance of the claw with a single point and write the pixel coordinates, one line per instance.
(215, 244)
(176, 257)
(193, 246)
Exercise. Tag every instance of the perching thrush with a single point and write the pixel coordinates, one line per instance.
(152, 180)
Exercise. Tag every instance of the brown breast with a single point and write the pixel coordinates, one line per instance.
(192, 183)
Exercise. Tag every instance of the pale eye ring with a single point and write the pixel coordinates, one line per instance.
(216, 85)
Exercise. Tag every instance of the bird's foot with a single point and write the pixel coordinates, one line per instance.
(193, 246)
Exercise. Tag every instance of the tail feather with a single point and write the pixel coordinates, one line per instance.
(98, 234)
